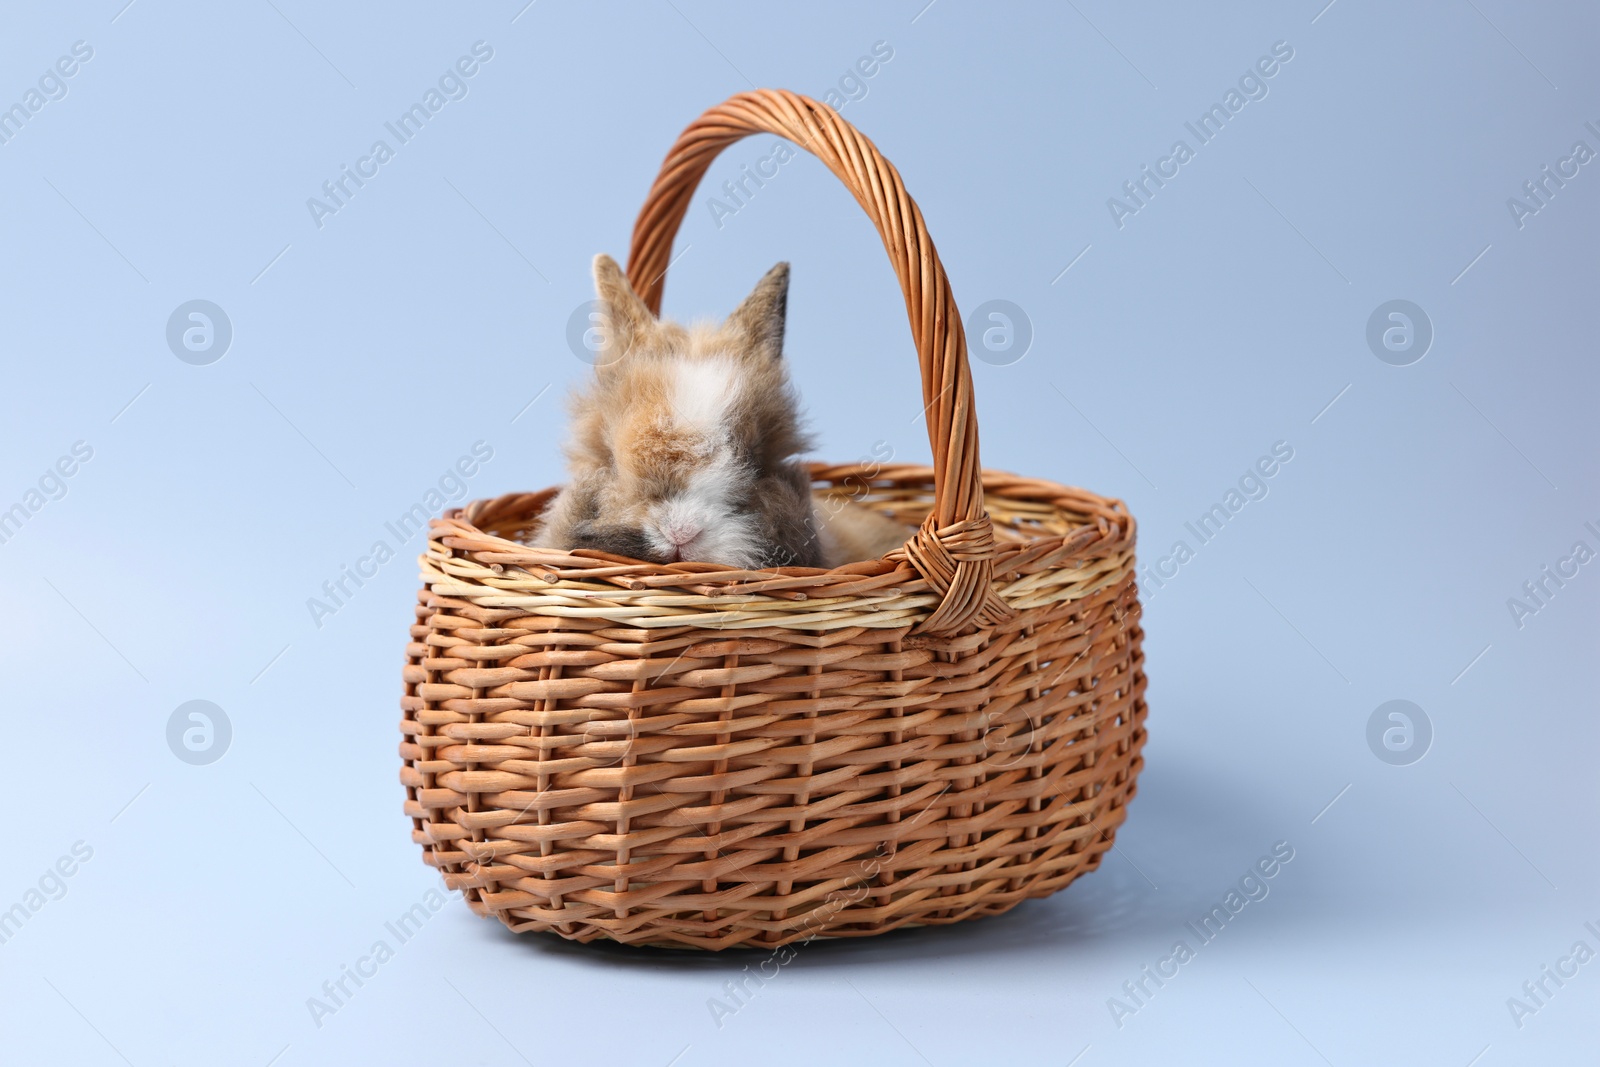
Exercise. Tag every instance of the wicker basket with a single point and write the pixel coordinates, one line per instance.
(689, 755)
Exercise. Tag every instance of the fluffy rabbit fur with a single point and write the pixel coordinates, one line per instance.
(684, 445)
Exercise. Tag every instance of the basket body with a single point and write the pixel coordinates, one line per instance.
(707, 760)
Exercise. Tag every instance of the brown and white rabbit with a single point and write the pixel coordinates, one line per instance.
(684, 445)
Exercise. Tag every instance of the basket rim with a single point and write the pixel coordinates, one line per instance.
(464, 558)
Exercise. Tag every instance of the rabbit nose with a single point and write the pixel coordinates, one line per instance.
(681, 534)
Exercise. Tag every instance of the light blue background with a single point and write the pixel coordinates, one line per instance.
(1223, 317)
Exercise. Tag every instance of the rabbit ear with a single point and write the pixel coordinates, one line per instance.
(626, 319)
(759, 320)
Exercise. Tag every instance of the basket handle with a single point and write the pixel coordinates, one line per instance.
(954, 548)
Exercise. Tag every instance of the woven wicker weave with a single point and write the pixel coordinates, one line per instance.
(689, 755)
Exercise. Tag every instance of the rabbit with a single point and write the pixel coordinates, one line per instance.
(684, 445)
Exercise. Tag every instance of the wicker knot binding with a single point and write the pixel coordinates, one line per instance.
(958, 562)
(692, 755)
